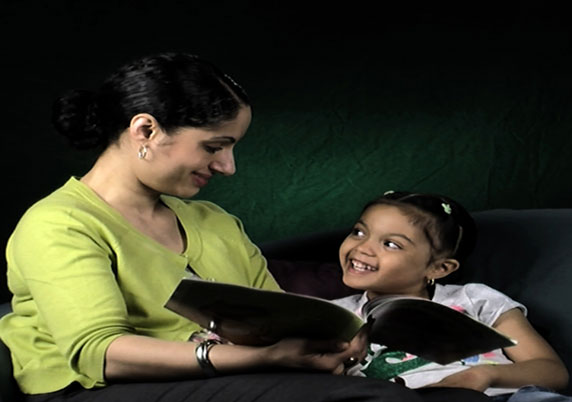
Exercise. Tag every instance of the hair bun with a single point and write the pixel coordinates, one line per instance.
(74, 115)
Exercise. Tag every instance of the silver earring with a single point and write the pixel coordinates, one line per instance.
(142, 153)
(431, 281)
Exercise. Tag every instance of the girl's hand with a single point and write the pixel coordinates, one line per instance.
(477, 378)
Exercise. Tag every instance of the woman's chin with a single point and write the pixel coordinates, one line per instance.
(184, 192)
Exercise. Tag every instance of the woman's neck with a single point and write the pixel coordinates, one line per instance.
(113, 181)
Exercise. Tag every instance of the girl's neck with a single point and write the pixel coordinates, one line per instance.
(424, 293)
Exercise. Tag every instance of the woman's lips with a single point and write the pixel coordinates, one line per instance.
(201, 180)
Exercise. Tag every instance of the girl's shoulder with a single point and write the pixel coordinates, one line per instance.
(468, 290)
(477, 300)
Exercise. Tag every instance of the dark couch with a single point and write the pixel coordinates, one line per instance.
(526, 254)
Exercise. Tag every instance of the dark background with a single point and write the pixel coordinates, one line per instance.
(350, 100)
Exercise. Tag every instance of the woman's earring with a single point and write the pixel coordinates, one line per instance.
(431, 281)
(142, 153)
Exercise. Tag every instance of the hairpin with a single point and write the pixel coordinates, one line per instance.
(389, 192)
(446, 208)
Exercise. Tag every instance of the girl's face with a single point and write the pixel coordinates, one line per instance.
(182, 163)
(386, 254)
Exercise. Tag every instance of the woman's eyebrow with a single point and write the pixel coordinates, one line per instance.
(223, 139)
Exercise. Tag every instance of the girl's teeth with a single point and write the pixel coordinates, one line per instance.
(359, 266)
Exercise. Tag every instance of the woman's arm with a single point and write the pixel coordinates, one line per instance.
(535, 362)
(140, 357)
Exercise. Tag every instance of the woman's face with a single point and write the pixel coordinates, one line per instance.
(386, 254)
(181, 163)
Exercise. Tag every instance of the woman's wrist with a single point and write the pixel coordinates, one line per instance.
(202, 352)
(229, 358)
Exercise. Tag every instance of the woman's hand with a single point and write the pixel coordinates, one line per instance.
(330, 356)
(477, 378)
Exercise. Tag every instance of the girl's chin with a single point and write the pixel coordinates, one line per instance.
(354, 284)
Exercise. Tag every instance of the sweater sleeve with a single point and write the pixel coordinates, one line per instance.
(66, 266)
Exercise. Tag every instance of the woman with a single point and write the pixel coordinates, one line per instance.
(92, 265)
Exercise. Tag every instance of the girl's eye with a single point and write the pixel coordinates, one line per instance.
(392, 245)
(357, 232)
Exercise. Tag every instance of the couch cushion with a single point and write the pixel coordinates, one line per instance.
(527, 254)
(9, 391)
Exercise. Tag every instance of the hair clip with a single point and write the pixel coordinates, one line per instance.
(446, 208)
(389, 192)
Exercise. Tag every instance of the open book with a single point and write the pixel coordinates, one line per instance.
(250, 316)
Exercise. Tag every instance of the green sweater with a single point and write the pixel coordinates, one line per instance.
(82, 276)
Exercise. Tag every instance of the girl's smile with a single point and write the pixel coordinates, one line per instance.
(386, 254)
(359, 266)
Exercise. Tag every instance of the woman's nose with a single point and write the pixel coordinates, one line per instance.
(224, 163)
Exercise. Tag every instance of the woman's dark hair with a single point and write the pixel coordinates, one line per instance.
(178, 89)
(450, 229)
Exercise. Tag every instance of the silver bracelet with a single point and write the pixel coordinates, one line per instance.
(202, 354)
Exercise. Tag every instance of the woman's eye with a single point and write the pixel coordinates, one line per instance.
(212, 150)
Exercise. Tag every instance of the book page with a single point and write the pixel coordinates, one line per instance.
(250, 316)
(430, 330)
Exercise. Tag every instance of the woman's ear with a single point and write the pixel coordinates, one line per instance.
(142, 127)
(443, 267)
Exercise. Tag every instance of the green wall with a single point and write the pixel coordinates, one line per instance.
(348, 102)
(485, 117)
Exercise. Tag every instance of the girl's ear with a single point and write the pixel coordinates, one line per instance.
(443, 267)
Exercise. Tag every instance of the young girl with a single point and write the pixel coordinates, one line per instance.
(404, 242)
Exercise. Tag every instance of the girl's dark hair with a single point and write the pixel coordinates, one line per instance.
(178, 89)
(450, 229)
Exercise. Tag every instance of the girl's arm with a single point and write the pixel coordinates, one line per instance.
(535, 362)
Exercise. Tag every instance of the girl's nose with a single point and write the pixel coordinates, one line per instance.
(365, 247)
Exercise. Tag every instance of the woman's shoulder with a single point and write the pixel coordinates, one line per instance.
(69, 196)
(72, 205)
